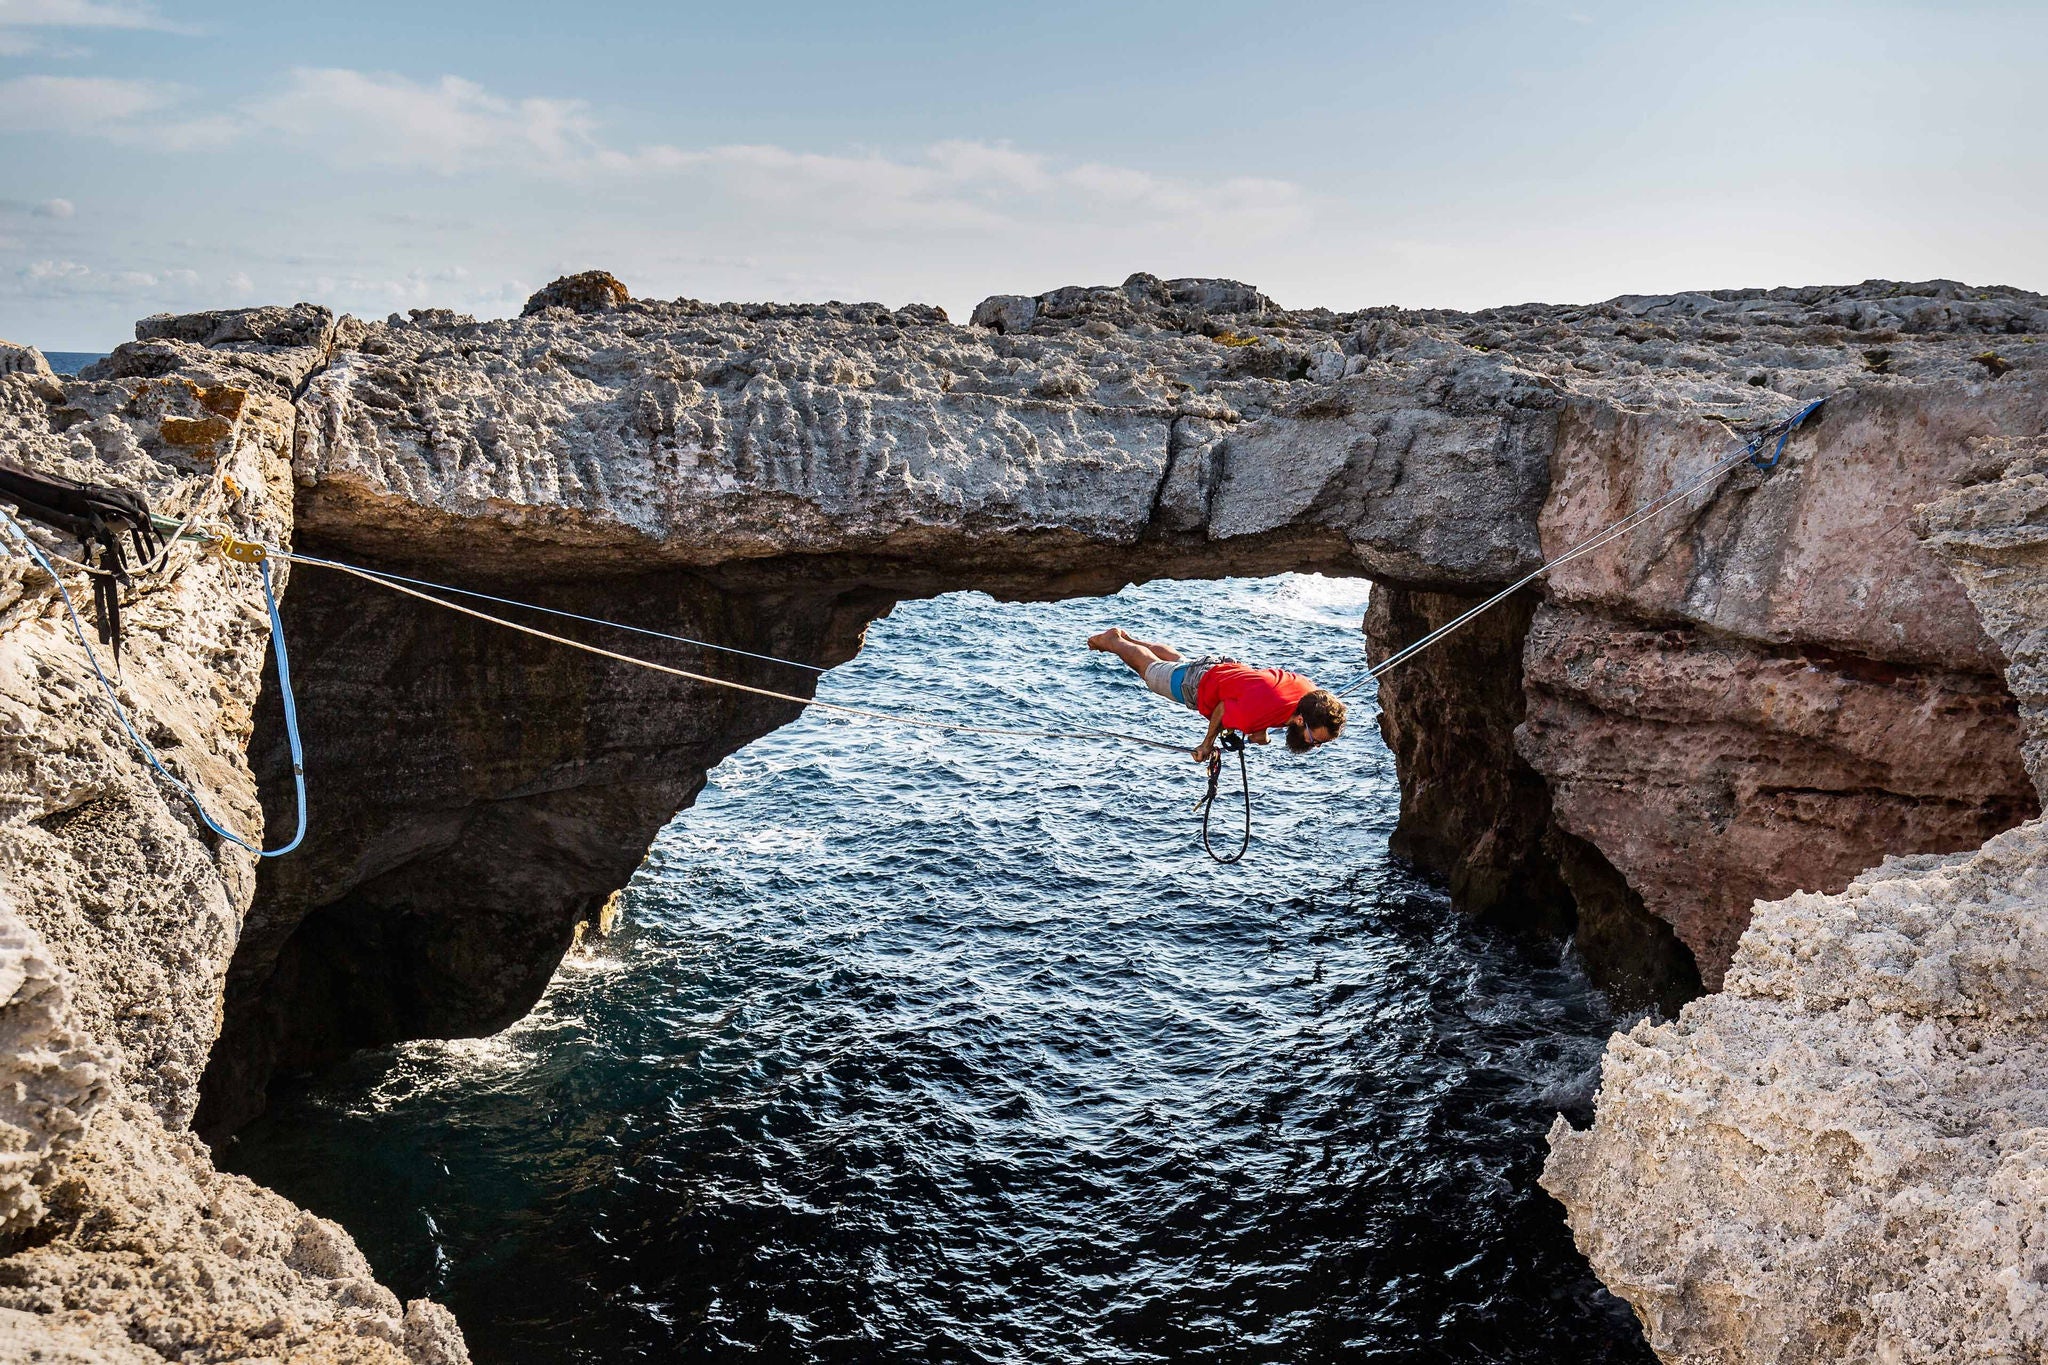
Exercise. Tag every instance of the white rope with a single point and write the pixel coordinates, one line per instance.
(1585, 547)
(579, 616)
(371, 576)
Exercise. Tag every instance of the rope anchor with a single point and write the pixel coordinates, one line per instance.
(241, 551)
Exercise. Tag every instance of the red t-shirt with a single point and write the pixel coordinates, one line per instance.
(1253, 698)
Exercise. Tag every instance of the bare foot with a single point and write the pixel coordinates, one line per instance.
(1108, 639)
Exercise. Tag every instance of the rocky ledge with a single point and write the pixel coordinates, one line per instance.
(1844, 1155)
(119, 1241)
(1772, 689)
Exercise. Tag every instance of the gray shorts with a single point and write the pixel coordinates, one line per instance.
(1179, 680)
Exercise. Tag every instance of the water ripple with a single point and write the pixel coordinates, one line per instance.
(921, 1048)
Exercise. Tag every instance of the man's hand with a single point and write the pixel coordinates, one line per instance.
(1205, 753)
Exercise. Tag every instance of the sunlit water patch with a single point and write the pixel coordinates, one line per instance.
(944, 1048)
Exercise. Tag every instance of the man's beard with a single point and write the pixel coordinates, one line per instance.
(1297, 736)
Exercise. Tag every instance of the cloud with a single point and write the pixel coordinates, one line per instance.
(557, 152)
(141, 112)
(19, 20)
(956, 185)
(58, 104)
(455, 127)
(448, 126)
(69, 279)
(54, 208)
(79, 14)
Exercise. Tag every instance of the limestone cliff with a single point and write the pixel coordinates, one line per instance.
(1844, 1155)
(778, 474)
(1762, 694)
(119, 915)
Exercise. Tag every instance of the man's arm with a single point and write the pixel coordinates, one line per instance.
(1208, 748)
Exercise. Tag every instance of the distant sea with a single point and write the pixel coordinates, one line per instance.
(71, 362)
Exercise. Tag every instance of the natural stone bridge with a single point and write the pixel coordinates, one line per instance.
(1766, 695)
(1766, 691)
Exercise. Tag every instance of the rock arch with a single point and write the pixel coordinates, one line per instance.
(1742, 700)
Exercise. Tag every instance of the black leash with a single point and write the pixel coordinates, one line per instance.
(1232, 740)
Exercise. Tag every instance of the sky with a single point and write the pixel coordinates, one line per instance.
(378, 156)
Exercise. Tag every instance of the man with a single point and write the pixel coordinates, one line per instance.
(1232, 695)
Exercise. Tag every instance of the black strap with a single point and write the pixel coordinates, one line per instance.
(96, 516)
(1231, 740)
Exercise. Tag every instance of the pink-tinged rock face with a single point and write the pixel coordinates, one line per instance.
(1820, 551)
(1774, 685)
(1713, 772)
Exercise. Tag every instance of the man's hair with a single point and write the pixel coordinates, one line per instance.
(1319, 710)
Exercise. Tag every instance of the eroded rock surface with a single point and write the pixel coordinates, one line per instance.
(119, 914)
(52, 1077)
(1743, 698)
(16, 358)
(1780, 683)
(1712, 772)
(1993, 535)
(145, 1242)
(678, 434)
(1844, 1155)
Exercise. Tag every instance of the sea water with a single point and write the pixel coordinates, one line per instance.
(927, 1047)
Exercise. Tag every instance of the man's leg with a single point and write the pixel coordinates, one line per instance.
(1159, 651)
(1135, 653)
